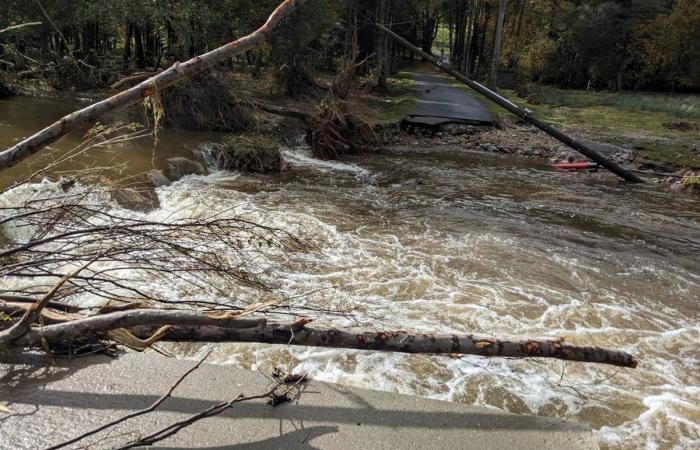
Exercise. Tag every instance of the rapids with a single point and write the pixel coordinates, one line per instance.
(451, 241)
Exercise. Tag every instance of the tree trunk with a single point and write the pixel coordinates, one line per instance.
(382, 45)
(140, 53)
(127, 46)
(190, 326)
(496, 53)
(400, 341)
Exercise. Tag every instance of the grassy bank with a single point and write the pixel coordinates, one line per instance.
(663, 129)
(386, 108)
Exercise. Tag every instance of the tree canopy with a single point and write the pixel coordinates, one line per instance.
(605, 44)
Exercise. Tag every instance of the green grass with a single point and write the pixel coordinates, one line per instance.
(644, 121)
(387, 109)
(681, 106)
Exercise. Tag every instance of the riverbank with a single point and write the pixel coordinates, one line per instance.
(512, 136)
(52, 403)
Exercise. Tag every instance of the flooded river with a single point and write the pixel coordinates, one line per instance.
(450, 241)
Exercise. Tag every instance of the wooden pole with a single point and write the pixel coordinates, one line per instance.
(524, 114)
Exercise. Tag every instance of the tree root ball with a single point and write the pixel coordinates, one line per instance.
(205, 102)
(335, 131)
(244, 153)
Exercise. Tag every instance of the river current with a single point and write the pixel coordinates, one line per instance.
(444, 240)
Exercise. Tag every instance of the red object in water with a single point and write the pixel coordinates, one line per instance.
(575, 166)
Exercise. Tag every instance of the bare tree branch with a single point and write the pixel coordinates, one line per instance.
(21, 25)
(164, 433)
(91, 326)
(186, 326)
(34, 312)
(58, 31)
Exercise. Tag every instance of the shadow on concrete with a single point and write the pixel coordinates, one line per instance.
(295, 440)
(316, 413)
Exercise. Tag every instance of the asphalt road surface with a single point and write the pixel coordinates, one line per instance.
(442, 103)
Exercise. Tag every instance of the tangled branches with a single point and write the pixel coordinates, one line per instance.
(54, 234)
(335, 131)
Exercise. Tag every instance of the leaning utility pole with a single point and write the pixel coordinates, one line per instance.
(524, 114)
(493, 78)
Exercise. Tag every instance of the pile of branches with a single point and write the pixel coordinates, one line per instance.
(335, 131)
(206, 102)
(78, 74)
(245, 152)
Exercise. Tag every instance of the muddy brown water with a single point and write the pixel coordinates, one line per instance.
(451, 241)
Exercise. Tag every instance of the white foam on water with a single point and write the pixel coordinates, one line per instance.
(418, 276)
(303, 157)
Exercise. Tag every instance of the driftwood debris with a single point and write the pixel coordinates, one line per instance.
(403, 342)
(239, 326)
(22, 150)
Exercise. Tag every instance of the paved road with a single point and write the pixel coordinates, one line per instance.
(443, 103)
(49, 405)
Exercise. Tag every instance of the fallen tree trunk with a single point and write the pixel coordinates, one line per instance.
(401, 342)
(190, 326)
(524, 114)
(102, 323)
(280, 111)
(19, 152)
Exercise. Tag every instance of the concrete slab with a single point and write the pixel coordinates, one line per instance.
(51, 404)
(442, 103)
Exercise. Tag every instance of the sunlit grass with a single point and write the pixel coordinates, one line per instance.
(380, 109)
(643, 121)
(684, 106)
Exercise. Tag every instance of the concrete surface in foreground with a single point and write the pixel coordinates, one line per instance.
(52, 404)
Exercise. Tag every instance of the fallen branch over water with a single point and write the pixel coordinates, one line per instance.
(185, 326)
(404, 342)
(146, 88)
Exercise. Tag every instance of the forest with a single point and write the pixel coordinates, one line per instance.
(596, 44)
